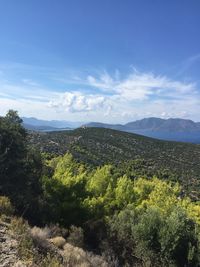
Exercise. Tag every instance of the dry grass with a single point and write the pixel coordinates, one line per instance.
(40, 236)
(58, 241)
(42, 233)
(50, 261)
(6, 207)
(77, 257)
(55, 251)
(76, 236)
(56, 230)
(34, 249)
(22, 233)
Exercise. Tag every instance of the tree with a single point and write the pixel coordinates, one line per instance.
(12, 152)
(20, 167)
(64, 192)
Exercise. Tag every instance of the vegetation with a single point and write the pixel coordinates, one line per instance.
(20, 167)
(142, 156)
(134, 213)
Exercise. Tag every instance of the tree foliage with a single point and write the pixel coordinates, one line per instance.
(20, 167)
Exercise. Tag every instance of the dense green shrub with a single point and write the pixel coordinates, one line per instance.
(158, 230)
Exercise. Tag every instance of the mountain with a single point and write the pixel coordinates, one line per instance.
(168, 125)
(144, 124)
(52, 123)
(40, 128)
(164, 129)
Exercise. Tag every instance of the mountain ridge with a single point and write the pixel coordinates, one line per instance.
(153, 123)
(50, 123)
(172, 129)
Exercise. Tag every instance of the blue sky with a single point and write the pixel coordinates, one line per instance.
(100, 60)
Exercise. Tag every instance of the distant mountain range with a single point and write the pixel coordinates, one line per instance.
(43, 128)
(165, 129)
(153, 124)
(35, 124)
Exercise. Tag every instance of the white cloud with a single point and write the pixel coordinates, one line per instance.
(78, 102)
(140, 86)
(104, 98)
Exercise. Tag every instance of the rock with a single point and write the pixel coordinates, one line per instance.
(8, 248)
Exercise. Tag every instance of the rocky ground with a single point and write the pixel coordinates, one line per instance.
(70, 256)
(8, 248)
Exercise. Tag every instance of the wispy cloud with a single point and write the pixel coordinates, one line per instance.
(187, 64)
(30, 82)
(140, 86)
(102, 97)
(137, 95)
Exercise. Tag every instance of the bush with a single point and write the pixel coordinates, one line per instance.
(58, 241)
(40, 236)
(6, 207)
(77, 257)
(76, 236)
(56, 230)
(155, 238)
(42, 233)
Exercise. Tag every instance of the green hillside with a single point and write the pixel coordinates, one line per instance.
(98, 146)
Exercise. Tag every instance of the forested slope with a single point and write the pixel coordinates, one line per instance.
(98, 146)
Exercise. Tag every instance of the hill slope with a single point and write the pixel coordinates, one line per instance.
(97, 146)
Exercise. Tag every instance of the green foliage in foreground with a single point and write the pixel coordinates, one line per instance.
(147, 220)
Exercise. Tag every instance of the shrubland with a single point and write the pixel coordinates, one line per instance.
(122, 212)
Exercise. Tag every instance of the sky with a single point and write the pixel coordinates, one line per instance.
(100, 60)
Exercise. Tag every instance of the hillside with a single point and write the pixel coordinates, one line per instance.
(98, 146)
(104, 201)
